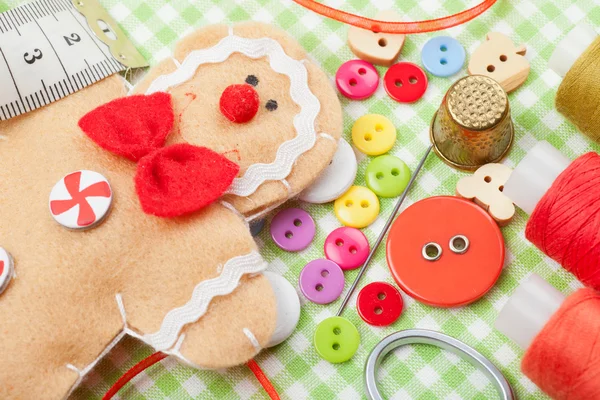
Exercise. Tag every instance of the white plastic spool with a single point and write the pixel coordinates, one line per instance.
(571, 48)
(528, 310)
(535, 300)
(534, 175)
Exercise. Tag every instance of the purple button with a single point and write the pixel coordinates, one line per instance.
(357, 79)
(322, 281)
(292, 229)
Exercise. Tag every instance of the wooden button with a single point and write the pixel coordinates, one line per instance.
(377, 48)
(485, 188)
(80, 200)
(445, 251)
(379, 304)
(501, 60)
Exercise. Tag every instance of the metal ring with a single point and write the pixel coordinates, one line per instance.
(456, 249)
(445, 342)
(429, 257)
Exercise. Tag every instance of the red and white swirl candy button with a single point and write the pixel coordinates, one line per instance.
(80, 200)
(6, 269)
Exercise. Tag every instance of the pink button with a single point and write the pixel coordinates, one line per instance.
(357, 79)
(347, 247)
(292, 229)
(322, 281)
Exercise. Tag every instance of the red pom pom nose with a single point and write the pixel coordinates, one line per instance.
(239, 103)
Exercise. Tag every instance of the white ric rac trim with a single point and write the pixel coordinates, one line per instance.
(304, 121)
(202, 295)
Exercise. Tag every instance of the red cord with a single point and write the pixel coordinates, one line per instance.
(264, 381)
(156, 357)
(132, 373)
(397, 27)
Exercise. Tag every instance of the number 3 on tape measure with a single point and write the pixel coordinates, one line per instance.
(30, 58)
(50, 49)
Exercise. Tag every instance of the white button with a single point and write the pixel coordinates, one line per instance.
(6, 269)
(336, 179)
(80, 200)
(288, 308)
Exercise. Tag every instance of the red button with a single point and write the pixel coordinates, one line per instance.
(445, 251)
(405, 82)
(379, 304)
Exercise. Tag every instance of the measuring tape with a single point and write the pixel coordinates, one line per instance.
(52, 48)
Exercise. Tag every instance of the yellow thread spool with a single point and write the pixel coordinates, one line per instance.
(578, 96)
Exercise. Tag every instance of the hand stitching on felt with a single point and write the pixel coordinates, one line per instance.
(236, 151)
(192, 97)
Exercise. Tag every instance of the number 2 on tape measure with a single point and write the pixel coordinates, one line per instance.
(48, 51)
(73, 39)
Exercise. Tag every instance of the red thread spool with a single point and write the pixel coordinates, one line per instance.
(565, 224)
(561, 337)
(564, 358)
(563, 199)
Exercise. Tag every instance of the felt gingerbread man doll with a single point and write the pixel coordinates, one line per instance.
(234, 124)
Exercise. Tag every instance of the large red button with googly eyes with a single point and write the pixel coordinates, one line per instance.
(405, 82)
(445, 251)
(379, 304)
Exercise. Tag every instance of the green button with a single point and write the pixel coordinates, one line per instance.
(336, 339)
(387, 176)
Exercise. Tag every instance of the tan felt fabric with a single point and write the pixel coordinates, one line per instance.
(199, 121)
(61, 307)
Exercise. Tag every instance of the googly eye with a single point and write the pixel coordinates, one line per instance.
(252, 80)
(271, 105)
(431, 251)
(459, 244)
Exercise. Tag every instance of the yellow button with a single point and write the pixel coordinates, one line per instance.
(358, 207)
(373, 134)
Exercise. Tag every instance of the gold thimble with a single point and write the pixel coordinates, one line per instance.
(473, 126)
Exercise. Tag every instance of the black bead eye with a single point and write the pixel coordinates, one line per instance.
(271, 105)
(252, 80)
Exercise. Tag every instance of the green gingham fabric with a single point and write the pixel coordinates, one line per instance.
(417, 372)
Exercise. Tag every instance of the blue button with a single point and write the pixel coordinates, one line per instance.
(443, 56)
(257, 226)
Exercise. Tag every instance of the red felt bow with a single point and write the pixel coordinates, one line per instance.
(171, 181)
